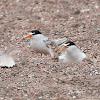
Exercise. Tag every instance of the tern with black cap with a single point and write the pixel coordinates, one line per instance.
(37, 42)
(71, 53)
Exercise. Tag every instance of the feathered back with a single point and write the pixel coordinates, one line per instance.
(54, 49)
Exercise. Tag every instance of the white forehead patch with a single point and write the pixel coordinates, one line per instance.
(66, 44)
(32, 33)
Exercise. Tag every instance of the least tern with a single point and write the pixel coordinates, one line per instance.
(37, 42)
(70, 53)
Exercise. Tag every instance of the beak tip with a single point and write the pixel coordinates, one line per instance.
(63, 48)
(28, 36)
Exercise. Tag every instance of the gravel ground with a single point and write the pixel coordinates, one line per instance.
(36, 78)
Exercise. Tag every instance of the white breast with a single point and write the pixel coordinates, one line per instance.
(72, 54)
(38, 45)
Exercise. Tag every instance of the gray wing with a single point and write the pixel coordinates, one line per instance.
(60, 41)
(47, 42)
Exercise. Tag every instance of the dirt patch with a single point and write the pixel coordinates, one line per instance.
(37, 78)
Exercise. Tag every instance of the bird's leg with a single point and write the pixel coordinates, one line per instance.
(55, 59)
(41, 55)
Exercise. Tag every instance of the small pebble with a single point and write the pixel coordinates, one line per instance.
(98, 30)
(17, 0)
(85, 10)
(77, 12)
(19, 18)
(74, 97)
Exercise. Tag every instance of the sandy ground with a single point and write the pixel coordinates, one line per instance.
(77, 19)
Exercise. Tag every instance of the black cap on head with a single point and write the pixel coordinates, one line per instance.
(70, 43)
(35, 32)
